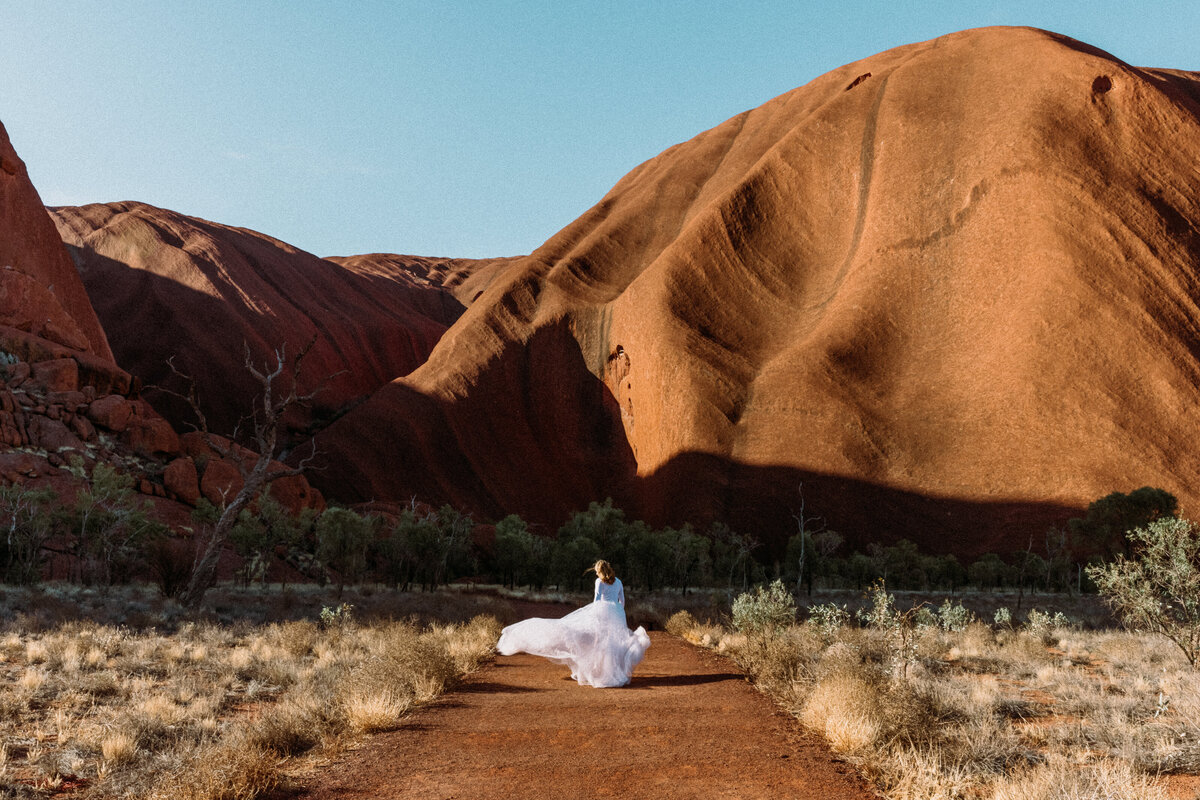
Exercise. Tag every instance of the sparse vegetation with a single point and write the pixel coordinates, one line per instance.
(941, 705)
(207, 710)
(1157, 588)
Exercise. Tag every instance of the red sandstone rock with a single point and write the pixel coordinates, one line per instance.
(82, 428)
(220, 481)
(950, 288)
(112, 412)
(373, 317)
(181, 479)
(57, 375)
(40, 289)
(16, 467)
(53, 435)
(293, 493)
(152, 435)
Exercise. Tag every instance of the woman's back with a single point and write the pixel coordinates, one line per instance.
(611, 592)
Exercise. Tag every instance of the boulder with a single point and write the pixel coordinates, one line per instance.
(56, 375)
(112, 412)
(83, 428)
(151, 436)
(16, 467)
(53, 435)
(183, 480)
(220, 482)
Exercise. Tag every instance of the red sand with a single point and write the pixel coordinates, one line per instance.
(688, 726)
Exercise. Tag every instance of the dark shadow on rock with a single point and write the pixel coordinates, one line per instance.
(537, 434)
(762, 500)
(534, 433)
(374, 331)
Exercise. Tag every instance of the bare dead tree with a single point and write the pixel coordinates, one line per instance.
(803, 522)
(279, 393)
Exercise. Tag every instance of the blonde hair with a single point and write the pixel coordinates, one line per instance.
(604, 571)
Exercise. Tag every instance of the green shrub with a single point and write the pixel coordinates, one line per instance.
(764, 609)
(828, 618)
(1157, 588)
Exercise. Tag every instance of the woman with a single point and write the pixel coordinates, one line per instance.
(593, 641)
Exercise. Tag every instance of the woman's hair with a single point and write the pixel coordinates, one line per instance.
(604, 571)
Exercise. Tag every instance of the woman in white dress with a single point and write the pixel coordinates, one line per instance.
(594, 641)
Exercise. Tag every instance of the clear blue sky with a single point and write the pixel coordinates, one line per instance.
(459, 129)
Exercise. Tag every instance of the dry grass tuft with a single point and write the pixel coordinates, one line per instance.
(1062, 780)
(846, 708)
(369, 712)
(118, 748)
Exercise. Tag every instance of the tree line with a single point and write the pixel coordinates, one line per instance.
(108, 536)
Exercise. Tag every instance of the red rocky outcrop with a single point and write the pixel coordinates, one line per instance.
(952, 289)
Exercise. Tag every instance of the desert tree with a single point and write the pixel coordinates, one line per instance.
(111, 525)
(1108, 520)
(1157, 587)
(28, 522)
(343, 537)
(279, 393)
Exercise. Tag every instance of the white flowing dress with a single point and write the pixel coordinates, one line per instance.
(594, 641)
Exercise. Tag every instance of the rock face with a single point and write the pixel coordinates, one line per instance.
(41, 296)
(167, 285)
(951, 289)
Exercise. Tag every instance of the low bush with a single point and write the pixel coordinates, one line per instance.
(764, 609)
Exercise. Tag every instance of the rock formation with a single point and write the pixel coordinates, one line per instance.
(206, 290)
(951, 289)
(62, 396)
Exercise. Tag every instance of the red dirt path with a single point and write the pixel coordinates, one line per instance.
(688, 726)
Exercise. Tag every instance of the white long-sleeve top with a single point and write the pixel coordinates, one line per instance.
(612, 592)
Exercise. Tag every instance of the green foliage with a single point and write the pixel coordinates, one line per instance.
(1003, 617)
(339, 616)
(1112, 517)
(828, 618)
(1157, 587)
(342, 540)
(988, 572)
(264, 528)
(953, 617)
(28, 519)
(428, 548)
(764, 609)
(733, 553)
(111, 525)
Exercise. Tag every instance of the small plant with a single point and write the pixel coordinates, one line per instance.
(882, 613)
(338, 616)
(926, 618)
(828, 618)
(954, 617)
(1003, 617)
(901, 627)
(1038, 622)
(764, 609)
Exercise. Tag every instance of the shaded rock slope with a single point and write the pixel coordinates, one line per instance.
(167, 285)
(62, 396)
(44, 308)
(951, 289)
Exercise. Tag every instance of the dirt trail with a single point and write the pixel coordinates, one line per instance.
(688, 726)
